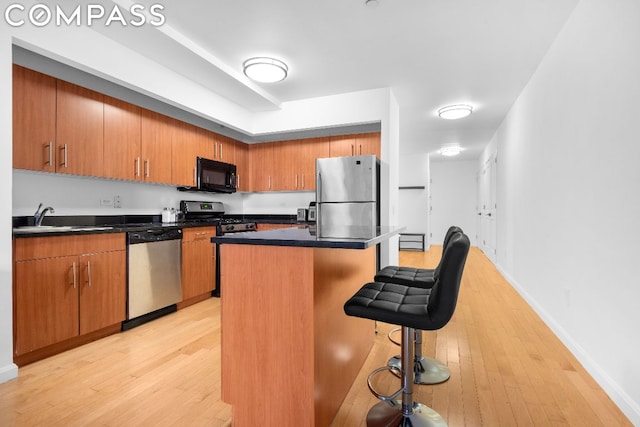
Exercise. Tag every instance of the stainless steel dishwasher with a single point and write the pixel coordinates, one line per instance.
(154, 285)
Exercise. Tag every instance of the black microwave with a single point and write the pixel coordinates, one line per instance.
(214, 176)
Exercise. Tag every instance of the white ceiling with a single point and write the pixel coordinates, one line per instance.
(430, 52)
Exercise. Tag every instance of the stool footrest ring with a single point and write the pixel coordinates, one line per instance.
(381, 396)
(393, 331)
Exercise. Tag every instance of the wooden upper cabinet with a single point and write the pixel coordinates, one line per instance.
(355, 145)
(368, 143)
(188, 143)
(310, 150)
(343, 145)
(34, 120)
(224, 149)
(243, 180)
(79, 130)
(287, 162)
(122, 140)
(262, 165)
(156, 133)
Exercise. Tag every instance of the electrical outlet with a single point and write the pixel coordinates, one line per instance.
(106, 202)
(117, 203)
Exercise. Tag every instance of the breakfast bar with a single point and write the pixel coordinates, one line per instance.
(289, 353)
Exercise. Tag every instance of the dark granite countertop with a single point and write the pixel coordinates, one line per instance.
(307, 236)
(89, 224)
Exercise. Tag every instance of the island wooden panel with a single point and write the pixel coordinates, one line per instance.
(289, 353)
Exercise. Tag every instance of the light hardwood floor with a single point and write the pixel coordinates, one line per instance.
(507, 369)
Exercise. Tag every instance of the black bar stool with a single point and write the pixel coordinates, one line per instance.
(427, 369)
(413, 309)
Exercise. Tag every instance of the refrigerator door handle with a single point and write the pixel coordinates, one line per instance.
(319, 188)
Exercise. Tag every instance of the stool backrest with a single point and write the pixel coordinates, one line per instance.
(444, 294)
(447, 238)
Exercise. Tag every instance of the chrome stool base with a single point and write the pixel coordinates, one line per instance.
(427, 370)
(389, 414)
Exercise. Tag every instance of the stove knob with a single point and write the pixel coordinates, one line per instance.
(229, 227)
(250, 226)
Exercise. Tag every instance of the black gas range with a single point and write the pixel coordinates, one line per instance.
(212, 213)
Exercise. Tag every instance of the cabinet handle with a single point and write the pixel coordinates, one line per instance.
(296, 181)
(360, 146)
(269, 186)
(146, 168)
(215, 150)
(49, 147)
(352, 150)
(195, 176)
(303, 181)
(137, 163)
(221, 151)
(64, 157)
(73, 268)
(89, 273)
(238, 182)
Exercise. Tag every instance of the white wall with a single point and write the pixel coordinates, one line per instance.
(75, 195)
(284, 203)
(414, 203)
(453, 198)
(7, 369)
(569, 193)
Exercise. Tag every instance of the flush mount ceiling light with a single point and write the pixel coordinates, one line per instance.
(371, 3)
(452, 112)
(451, 150)
(265, 70)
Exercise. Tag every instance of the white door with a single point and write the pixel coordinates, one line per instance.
(487, 208)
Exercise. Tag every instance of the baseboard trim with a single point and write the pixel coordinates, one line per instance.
(626, 404)
(8, 372)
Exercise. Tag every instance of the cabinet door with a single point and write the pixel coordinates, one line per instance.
(188, 143)
(103, 293)
(46, 302)
(342, 146)
(310, 150)
(242, 167)
(262, 166)
(367, 143)
(34, 120)
(198, 262)
(121, 140)
(224, 149)
(287, 164)
(79, 130)
(156, 132)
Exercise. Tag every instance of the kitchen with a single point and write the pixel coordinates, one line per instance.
(518, 175)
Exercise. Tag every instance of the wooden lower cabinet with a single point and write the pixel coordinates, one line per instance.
(46, 303)
(66, 287)
(102, 286)
(198, 262)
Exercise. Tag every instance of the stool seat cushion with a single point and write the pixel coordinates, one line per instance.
(413, 307)
(391, 303)
(408, 276)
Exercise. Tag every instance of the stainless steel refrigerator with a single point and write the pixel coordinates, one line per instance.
(347, 195)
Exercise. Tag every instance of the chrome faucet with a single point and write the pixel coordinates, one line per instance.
(39, 215)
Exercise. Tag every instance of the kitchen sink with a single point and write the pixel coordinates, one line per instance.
(56, 228)
(41, 229)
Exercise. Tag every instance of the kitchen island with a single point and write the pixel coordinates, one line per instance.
(289, 353)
